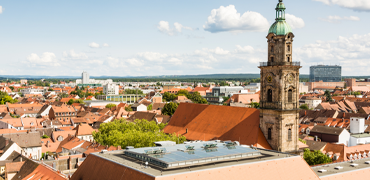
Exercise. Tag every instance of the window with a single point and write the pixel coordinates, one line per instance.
(269, 95)
(272, 48)
(288, 48)
(272, 59)
(288, 59)
(269, 134)
(290, 95)
(289, 134)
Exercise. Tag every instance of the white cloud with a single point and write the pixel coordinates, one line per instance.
(73, 55)
(152, 56)
(164, 27)
(105, 45)
(46, 59)
(228, 19)
(179, 27)
(175, 61)
(96, 62)
(94, 45)
(358, 5)
(135, 62)
(294, 22)
(218, 51)
(353, 53)
(336, 19)
(1, 9)
(248, 49)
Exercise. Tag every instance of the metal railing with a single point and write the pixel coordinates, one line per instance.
(297, 63)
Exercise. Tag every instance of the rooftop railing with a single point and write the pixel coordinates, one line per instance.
(262, 64)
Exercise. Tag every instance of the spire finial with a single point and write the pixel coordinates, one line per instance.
(280, 0)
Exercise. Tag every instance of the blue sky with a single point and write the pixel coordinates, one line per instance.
(139, 38)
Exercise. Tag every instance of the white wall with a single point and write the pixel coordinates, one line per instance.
(35, 152)
(357, 125)
(344, 137)
(356, 141)
(141, 107)
(13, 147)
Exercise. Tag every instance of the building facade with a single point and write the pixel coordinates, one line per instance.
(279, 96)
(85, 78)
(326, 73)
(111, 89)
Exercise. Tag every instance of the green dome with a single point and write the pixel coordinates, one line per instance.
(280, 28)
(280, 6)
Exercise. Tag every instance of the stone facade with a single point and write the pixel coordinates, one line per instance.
(279, 97)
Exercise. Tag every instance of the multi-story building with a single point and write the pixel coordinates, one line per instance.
(85, 78)
(23, 81)
(33, 91)
(325, 73)
(62, 113)
(171, 85)
(111, 89)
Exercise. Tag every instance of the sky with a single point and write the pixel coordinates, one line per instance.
(166, 37)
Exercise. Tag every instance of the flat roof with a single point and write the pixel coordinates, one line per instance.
(365, 135)
(122, 159)
(182, 155)
(342, 167)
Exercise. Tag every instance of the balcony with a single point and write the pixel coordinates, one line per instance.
(263, 64)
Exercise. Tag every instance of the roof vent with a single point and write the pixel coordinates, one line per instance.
(338, 167)
(367, 162)
(103, 151)
(322, 170)
(354, 165)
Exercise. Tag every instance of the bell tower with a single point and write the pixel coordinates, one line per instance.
(279, 96)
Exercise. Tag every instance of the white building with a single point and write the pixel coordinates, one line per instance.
(85, 78)
(33, 91)
(313, 102)
(111, 89)
(253, 87)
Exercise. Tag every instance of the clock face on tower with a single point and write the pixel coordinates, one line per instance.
(290, 79)
(269, 79)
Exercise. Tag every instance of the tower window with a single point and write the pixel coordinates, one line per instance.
(269, 134)
(272, 48)
(288, 48)
(272, 59)
(290, 95)
(288, 59)
(269, 95)
(289, 134)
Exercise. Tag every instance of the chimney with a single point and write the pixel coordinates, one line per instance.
(21, 159)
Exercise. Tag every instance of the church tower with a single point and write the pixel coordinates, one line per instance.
(279, 96)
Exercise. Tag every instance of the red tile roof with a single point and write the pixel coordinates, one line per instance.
(207, 122)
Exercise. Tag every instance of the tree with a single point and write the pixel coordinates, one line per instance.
(225, 98)
(304, 106)
(50, 89)
(63, 95)
(150, 107)
(169, 108)
(140, 133)
(315, 157)
(182, 92)
(255, 105)
(223, 83)
(76, 88)
(12, 88)
(44, 136)
(345, 86)
(5, 98)
(168, 96)
(328, 96)
(197, 98)
(110, 105)
(70, 102)
(79, 101)
(128, 108)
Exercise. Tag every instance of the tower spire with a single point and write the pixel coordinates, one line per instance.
(280, 11)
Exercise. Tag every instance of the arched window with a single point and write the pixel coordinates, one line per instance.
(269, 95)
(288, 59)
(289, 134)
(272, 59)
(288, 48)
(272, 48)
(290, 95)
(269, 136)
